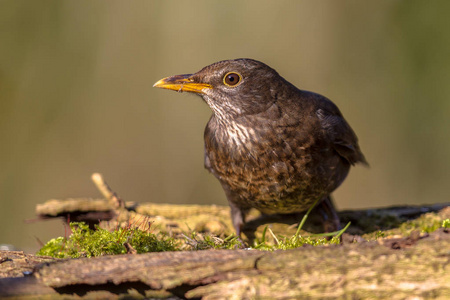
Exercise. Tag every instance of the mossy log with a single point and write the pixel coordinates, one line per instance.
(112, 211)
(416, 268)
(404, 264)
(215, 219)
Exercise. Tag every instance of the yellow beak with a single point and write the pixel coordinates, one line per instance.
(182, 83)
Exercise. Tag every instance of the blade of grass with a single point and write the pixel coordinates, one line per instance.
(263, 240)
(305, 217)
(334, 233)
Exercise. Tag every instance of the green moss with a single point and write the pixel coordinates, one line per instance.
(85, 242)
(204, 242)
(426, 223)
(198, 241)
(297, 240)
(55, 248)
(446, 223)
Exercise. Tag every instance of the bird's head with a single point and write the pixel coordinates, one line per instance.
(232, 88)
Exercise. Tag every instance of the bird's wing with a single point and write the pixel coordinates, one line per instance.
(344, 139)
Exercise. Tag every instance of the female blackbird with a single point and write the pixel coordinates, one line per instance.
(272, 146)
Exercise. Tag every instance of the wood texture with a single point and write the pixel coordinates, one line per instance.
(413, 267)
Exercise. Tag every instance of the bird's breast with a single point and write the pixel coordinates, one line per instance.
(265, 164)
(239, 136)
(245, 157)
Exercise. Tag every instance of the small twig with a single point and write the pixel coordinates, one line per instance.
(274, 236)
(4, 258)
(190, 241)
(107, 192)
(130, 249)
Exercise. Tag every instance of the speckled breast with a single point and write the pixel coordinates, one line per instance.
(275, 173)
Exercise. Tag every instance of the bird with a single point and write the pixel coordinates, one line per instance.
(273, 147)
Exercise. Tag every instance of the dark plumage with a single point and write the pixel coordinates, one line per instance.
(272, 146)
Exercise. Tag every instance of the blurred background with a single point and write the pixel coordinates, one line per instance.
(76, 96)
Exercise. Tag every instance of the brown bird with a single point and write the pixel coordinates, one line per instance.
(272, 146)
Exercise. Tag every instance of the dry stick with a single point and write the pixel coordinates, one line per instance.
(107, 192)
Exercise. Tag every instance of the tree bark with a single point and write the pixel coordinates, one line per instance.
(417, 266)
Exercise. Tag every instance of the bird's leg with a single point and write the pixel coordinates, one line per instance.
(237, 212)
(329, 216)
(237, 217)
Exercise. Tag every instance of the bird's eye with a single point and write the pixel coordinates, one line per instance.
(232, 79)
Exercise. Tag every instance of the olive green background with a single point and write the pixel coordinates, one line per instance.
(76, 96)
